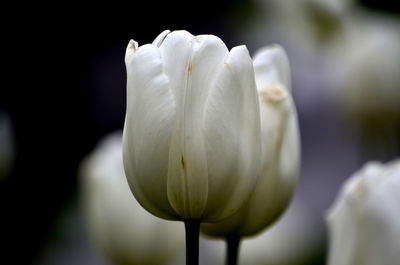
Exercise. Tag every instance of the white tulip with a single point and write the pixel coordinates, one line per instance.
(291, 240)
(191, 144)
(364, 226)
(280, 149)
(118, 225)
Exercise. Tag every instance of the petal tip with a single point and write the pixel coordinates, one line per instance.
(270, 49)
(240, 51)
(241, 48)
(130, 50)
(161, 37)
(132, 45)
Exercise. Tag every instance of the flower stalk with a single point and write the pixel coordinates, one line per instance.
(233, 246)
(192, 229)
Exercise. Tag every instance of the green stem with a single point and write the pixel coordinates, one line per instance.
(192, 229)
(233, 245)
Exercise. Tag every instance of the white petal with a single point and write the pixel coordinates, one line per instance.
(280, 169)
(271, 66)
(232, 130)
(117, 222)
(280, 157)
(343, 230)
(289, 165)
(280, 141)
(363, 222)
(147, 130)
(130, 51)
(381, 228)
(160, 38)
(176, 50)
(188, 170)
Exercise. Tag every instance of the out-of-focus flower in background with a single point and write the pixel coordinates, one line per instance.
(280, 150)
(305, 28)
(118, 225)
(363, 222)
(365, 78)
(345, 47)
(7, 148)
(192, 135)
(293, 239)
(334, 48)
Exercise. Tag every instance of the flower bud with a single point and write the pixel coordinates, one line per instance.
(191, 144)
(363, 223)
(280, 154)
(118, 225)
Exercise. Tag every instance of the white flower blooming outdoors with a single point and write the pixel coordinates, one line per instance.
(192, 136)
(118, 225)
(280, 146)
(364, 226)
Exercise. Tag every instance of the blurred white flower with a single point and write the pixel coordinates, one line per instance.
(280, 146)
(314, 19)
(118, 225)
(305, 28)
(191, 144)
(364, 226)
(7, 148)
(365, 68)
(294, 239)
(333, 6)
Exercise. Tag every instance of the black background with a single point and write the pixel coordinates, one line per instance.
(54, 60)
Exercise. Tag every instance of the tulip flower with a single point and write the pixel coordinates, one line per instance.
(192, 136)
(280, 152)
(364, 226)
(118, 225)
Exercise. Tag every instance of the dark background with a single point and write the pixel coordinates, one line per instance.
(64, 88)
